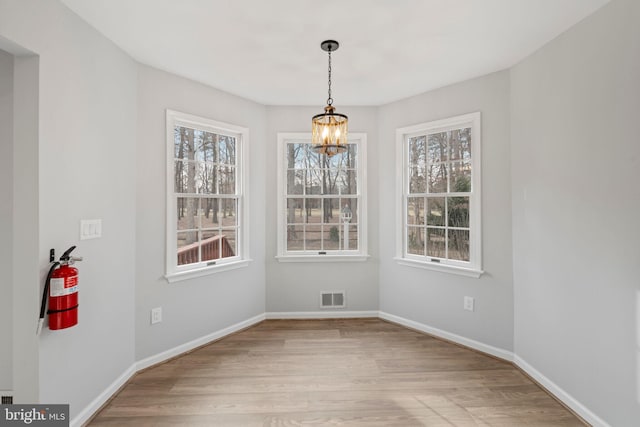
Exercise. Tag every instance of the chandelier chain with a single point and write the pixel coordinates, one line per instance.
(330, 99)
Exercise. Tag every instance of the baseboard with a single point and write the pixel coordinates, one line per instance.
(476, 345)
(102, 398)
(321, 314)
(198, 342)
(577, 407)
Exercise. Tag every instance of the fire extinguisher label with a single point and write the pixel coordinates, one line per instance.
(64, 286)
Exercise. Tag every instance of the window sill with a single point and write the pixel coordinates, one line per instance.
(443, 268)
(205, 271)
(322, 258)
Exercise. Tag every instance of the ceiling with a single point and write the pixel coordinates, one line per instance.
(269, 50)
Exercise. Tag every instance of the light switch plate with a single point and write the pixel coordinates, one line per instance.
(90, 229)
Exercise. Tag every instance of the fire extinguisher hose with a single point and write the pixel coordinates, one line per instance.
(45, 292)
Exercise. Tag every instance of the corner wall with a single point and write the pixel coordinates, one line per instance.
(82, 167)
(197, 307)
(575, 162)
(436, 299)
(296, 286)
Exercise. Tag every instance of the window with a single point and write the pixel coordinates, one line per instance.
(321, 201)
(440, 195)
(206, 227)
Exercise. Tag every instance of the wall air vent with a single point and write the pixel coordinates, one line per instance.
(7, 400)
(333, 299)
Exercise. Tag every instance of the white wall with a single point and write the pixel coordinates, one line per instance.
(196, 307)
(296, 287)
(87, 128)
(576, 198)
(26, 280)
(432, 298)
(6, 220)
(23, 280)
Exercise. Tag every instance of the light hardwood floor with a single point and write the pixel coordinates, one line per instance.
(358, 372)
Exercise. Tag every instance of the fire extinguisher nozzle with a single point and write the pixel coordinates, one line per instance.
(40, 323)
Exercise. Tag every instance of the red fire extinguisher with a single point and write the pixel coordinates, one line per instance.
(61, 288)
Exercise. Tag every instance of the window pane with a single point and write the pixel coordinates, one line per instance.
(334, 162)
(180, 176)
(415, 211)
(313, 235)
(353, 205)
(296, 155)
(417, 180)
(226, 180)
(313, 184)
(353, 238)
(460, 177)
(188, 176)
(179, 151)
(295, 211)
(332, 237)
(211, 212)
(459, 245)
(330, 181)
(435, 242)
(188, 213)
(295, 181)
(331, 211)
(210, 245)
(437, 178)
(437, 147)
(313, 210)
(187, 250)
(227, 147)
(208, 147)
(313, 159)
(350, 158)
(435, 211)
(458, 211)
(417, 151)
(205, 176)
(415, 240)
(228, 212)
(295, 238)
(347, 182)
(460, 144)
(185, 143)
(228, 243)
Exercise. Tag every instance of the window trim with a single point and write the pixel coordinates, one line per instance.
(473, 268)
(174, 273)
(351, 256)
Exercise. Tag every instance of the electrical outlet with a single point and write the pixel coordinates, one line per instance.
(156, 315)
(468, 303)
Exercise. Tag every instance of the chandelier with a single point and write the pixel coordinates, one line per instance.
(329, 129)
